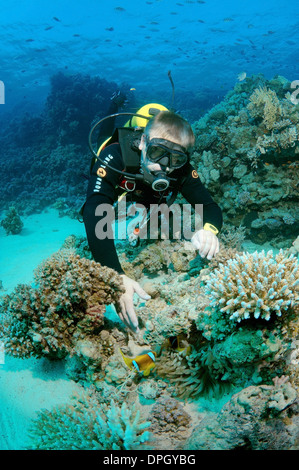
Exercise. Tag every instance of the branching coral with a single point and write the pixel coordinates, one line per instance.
(66, 304)
(264, 103)
(87, 424)
(253, 285)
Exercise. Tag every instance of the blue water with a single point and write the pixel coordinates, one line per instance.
(205, 44)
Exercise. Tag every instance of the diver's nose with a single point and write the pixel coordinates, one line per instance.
(164, 161)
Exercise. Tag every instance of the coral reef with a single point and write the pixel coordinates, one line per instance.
(66, 304)
(236, 316)
(12, 222)
(43, 158)
(87, 424)
(159, 257)
(236, 341)
(218, 351)
(246, 153)
(257, 418)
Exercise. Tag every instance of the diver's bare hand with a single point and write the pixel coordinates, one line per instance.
(206, 242)
(127, 313)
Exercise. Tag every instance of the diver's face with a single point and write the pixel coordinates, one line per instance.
(150, 166)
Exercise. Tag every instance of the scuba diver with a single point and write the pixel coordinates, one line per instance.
(149, 160)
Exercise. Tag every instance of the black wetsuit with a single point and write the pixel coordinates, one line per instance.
(106, 189)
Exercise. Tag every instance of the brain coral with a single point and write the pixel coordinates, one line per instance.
(255, 285)
(66, 304)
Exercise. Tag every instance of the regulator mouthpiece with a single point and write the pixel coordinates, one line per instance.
(160, 183)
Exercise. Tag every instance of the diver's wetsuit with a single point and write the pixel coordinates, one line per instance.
(106, 189)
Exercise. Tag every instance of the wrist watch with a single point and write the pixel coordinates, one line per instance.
(211, 228)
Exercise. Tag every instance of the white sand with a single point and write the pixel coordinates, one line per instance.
(42, 235)
(29, 385)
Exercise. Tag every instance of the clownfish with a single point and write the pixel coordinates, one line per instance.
(179, 344)
(142, 364)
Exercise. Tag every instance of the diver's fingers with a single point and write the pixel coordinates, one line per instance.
(195, 241)
(206, 243)
(141, 292)
(123, 312)
(131, 314)
(214, 248)
(128, 315)
(199, 241)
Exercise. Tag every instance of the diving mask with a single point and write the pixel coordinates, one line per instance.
(166, 153)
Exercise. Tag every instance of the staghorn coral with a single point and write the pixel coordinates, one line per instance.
(66, 305)
(87, 424)
(261, 417)
(253, 286)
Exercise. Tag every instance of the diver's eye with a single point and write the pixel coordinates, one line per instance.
(178, 159)
(156, 152)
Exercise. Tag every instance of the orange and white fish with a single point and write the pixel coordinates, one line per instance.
(179, 345)
(143, 363)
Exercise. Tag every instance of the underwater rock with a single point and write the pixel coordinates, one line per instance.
(261, 417)
(169, 422)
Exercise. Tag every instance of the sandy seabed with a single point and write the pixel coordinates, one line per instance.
(29, 385)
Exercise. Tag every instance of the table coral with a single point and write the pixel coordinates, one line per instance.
(66, 304)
